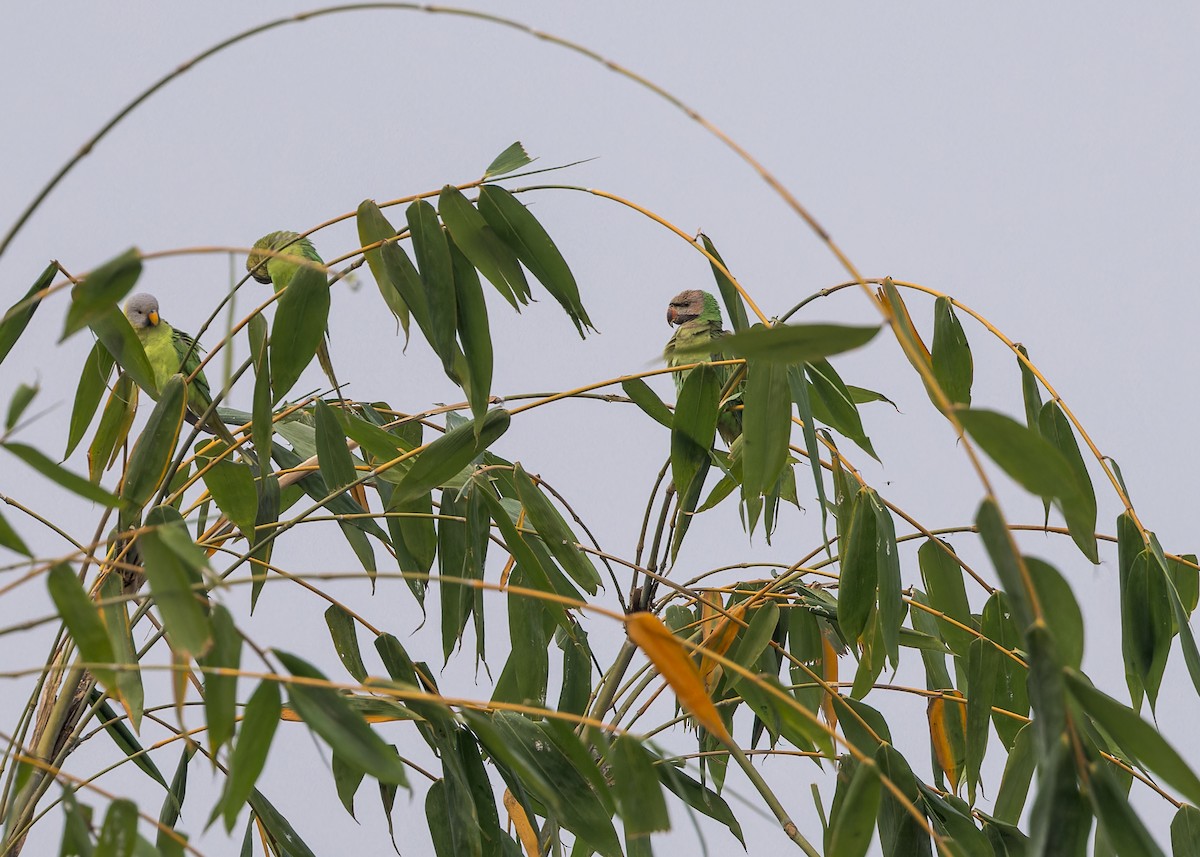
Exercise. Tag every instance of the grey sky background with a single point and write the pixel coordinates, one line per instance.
(1036, 162)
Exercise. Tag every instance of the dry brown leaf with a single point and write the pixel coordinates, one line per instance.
(719, 640)
(670, 658)
(943, 748)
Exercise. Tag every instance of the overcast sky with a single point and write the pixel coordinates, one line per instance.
(1037, 162)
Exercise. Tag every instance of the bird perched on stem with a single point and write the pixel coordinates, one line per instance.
(696, 316)
(274, 260)
(171, 351)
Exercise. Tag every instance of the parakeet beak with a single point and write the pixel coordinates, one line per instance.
(670, 315)
(152, 318)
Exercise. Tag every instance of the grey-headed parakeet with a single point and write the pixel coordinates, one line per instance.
(275, 259)
(696, 316)
(171, 351)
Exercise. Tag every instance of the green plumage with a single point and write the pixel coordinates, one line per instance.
(275, 259)
(172, 351)
(697, 317)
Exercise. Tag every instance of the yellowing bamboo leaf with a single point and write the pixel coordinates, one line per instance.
(668, 655)
(829, 666)
(947, 729)
(516, 814)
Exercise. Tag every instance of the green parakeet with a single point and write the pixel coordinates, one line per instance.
(697, 318)
(171, 351)
(276, 267)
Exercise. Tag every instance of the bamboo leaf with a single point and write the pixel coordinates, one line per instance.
(220, 690)
(528, 239)
(92, 383)
(834, 404)
(113, 329)
(700, 798)
(983, 662)
(83, 621)
(119, 833)
(480, 243)
(1185, 832)
(952, 364)
(298, 329)
(555, 532)
(646, 399)
(259, 722)
(767, 425)
(943, 579)
(172, 806)
(1031, 460)
(124, 738)
(448, 455)
(520, 821)
(9, 539)
(636, 788)
(859, 577)
(672, 662)
(474, 334)
(329, 715)
(100, 290)
(232, 486)
(1125, 831)
(155, 447)
(18, 403)
(1079, 509)
(333, 456)
(729, 293)
(947, 727)
(1018, 772)
(113, 429)
(172, 562)
(790, 343)
(16, 318)
(281, 834)
(345, 641)
(511, 159)
(852, 828)
(373, 227)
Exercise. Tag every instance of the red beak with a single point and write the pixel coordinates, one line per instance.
(670, 315)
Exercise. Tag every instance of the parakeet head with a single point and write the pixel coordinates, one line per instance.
(280, 242)
(692, 304)
(142, 311)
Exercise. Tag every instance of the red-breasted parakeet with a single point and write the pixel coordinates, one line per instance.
(696, 316)
(171, 351)
(284, 252)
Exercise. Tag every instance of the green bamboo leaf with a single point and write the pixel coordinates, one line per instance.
(9, 539)
(527, 669)
(329, 715)
(852, 827)
(511, 159)
(346, 780)
(18, 403)
(1079, 510)
(473, 333)
(283, 836)
(1012, 679)
(232, 486)
(437, 278)
(860, 569)
(834, 405)
(77, 827)
(88, 392)
(124, 738)
(646, 399)
(1003, 552)
(734, 307)
(1186, 578)
(576, 690)
(220, 690)
(792, 343)
(114, 611)
(1185, 832)
(952, 818)
(119, 833)
(462, 547)
(555, 532)
(700, 798)
(1138, 738)
(172, 806)
(345, 640)
(636, 788)
(799, 390)
(372, 227)
(767, 425)
(172, 562)
(983, 662)
(1032, 461)
(16, 318)
(155, 447)
(1125, 831)
(753, 641)
(891, 601)
(260, 719)
(526, 237)
(1030, 392)
(83, 621)
(113, 429)
(1191, 655)
(100, 290)
(947, 592)
(899, 833)
(692, 433)
(1018, 772)
(952, 364)
(493, 839)
(333, 456)
(446, 457)
(450, 837)
(480, 243)
(1055, 595)
(298, 329)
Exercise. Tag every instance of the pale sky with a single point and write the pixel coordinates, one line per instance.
(1036, 162)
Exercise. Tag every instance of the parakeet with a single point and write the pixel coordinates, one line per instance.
(278, 265)
(697, 318)
(171, 351)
